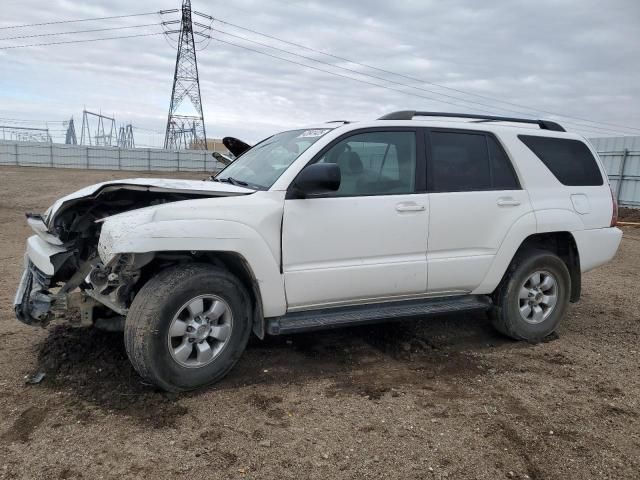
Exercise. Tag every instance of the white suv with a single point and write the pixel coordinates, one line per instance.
(411, 215)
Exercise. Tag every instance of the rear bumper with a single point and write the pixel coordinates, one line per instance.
(597, 246)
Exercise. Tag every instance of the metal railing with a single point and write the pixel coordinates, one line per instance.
(623, 166)
(28, 154)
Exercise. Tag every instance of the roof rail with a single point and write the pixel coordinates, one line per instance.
(409, 114)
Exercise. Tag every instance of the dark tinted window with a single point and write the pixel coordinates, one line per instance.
(468, 162)
(569, 160)
(503, 176)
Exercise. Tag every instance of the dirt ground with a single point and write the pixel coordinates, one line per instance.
(441, 398)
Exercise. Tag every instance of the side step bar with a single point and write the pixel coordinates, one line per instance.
(378, 312)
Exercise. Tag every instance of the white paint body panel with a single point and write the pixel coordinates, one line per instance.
(466, 230)
(351, 248)
(597, 246)
(40, 253)
(154, 184)
(248, 225)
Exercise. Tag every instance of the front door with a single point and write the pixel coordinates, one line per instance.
(367, 240)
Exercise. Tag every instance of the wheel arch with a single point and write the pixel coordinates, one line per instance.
(561, 243)
(233, 262)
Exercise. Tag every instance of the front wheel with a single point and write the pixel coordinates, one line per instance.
(188, 326)
(533, 297)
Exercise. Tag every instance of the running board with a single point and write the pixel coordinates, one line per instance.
(372, 313)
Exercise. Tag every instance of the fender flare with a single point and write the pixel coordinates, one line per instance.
(118, 237)
(546, 221)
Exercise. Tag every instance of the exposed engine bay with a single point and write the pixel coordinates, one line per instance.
(63, 269)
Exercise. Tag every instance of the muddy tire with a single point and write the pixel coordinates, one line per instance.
(533, 297)
(188, 326)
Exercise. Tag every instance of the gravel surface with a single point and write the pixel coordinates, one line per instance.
(442, 398)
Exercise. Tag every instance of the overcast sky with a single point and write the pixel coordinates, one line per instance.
(574, 57)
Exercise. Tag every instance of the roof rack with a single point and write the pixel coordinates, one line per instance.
(409, 114)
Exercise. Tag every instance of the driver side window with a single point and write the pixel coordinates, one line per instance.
(375, 163)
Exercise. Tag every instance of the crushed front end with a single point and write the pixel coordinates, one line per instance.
(63, 269)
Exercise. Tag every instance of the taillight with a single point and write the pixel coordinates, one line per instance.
(614, 214)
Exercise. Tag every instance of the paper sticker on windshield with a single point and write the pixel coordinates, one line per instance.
(313, 133)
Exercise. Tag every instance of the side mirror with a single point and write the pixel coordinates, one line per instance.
(317, 179)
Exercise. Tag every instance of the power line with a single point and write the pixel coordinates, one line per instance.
(338, 57)
(80, 31)
(394, 82)
(465, 101)
(161, 12)
(327, 71)
(81, 41)
(364, 81)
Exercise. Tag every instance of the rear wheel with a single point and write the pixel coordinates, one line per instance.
(188, 326)
(533, 297)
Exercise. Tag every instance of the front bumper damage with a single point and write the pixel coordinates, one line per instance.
(38, 300)
(32, 302)
(42, 296)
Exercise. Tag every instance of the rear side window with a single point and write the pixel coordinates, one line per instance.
(569, 160)
(464, 162)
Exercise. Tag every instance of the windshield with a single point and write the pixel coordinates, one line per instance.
(263, 164)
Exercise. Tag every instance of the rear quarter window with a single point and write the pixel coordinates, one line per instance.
(570, 161)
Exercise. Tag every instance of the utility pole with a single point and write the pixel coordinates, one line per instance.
(185, 129)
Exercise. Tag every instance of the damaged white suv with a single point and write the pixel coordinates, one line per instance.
(341, 224)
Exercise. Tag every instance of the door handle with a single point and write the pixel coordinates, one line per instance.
(508, 202)
(409, 207)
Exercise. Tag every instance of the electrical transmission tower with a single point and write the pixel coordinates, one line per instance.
(100, 136)
(125, 137)
(70, 136)
(185, 129)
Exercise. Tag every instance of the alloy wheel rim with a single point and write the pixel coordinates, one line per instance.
(199, 331)
(538, 297)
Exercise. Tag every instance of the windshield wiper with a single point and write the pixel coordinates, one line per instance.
(232, 181)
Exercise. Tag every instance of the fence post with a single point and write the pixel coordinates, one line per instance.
(17, 162)
(621, 175)
(119, 160)
(178, 156)
(149, 159)
(51, 154)
(87, 157)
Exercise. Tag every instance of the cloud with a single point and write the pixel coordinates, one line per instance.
(575, 57)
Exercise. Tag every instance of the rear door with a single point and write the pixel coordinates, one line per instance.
(475, 197)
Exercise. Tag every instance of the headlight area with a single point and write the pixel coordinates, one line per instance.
(100, 293)
(42, 288)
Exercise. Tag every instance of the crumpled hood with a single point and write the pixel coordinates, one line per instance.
(206, 188)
